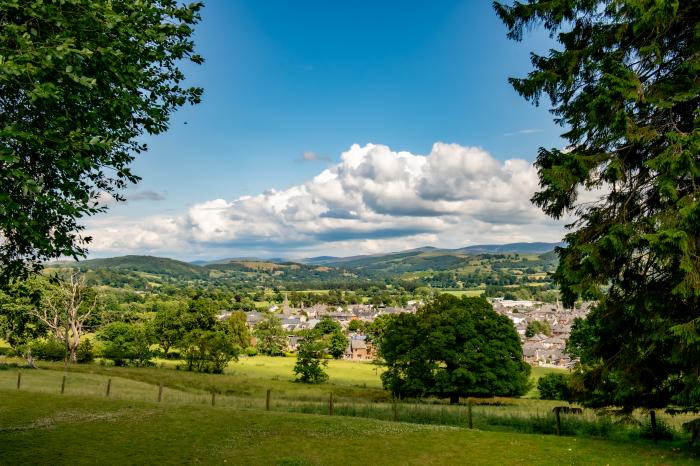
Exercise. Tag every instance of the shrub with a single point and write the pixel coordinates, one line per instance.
(663, 431)
(49, 350)
(250, 351)
(85, 352)
(126, 343)
(209, 351)
(554, 386)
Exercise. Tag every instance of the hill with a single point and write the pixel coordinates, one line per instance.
(516, 248)
(473, 266)
(148, 264)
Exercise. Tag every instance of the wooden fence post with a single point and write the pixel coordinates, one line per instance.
(63, 385)
(213, 398)
(330, 404)
(652, 414)
(469, 412)
(556, 414)
(109, 387)
(19, 380)
(267, 399)
(160, 392)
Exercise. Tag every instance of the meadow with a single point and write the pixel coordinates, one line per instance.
(47, 428)
(354, 390)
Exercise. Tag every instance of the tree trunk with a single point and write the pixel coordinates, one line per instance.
(30, 358)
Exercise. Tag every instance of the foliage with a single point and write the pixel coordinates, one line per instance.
(85, 352)
(168, 328)
(250, 351)
(237, 329)
(18, 325)
(48, 349)
(453, 347)
(554, 386)
(332, 336)
(126, 343)
(625, 85)
(209, 351)
(272, 339)
(376, 328)
(81, 83)
(356, 325)
(310, 364)
(536, 327)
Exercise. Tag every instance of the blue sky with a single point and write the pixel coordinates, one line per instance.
(290, 86)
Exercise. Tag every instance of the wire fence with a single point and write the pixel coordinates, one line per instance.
(472, 414)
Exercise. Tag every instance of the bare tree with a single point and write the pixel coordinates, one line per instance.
(65, 310)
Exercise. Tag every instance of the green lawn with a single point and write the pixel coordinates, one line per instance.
(41, 428)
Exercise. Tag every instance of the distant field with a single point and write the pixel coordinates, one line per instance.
(470, 292)
(53, 429)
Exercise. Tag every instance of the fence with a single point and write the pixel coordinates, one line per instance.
(470, 415)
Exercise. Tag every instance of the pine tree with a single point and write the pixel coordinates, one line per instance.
(625, 85)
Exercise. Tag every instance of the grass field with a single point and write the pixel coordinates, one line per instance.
(459, 293)
(355, 387)
(42, 428)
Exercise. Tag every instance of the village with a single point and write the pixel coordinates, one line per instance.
(546, 349)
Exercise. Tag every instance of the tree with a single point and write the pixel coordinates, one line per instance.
(209, 351)
(168, 328)
(554, 386)
(271, 336)
(331, 334)
(81, 83)
(18, 324)
(356, 325)
(535, 327)
(126, 343)
(310, 364)
(453, 347)
(64, 309)
(238, 330)
(376, 328)
(625, 85)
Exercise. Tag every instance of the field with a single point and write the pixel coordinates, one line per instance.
(459, 293)
(42, 428)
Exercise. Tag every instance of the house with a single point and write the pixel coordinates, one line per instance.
(252, 318)
(293, 342)
(359, 349)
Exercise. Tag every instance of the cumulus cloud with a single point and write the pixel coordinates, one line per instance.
(375, 199)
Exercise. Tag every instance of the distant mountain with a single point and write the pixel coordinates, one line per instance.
(430, 255)
(229, 260)
(320, 260)
(472, 265)
(515, 248)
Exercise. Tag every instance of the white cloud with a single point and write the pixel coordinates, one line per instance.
(373, 200)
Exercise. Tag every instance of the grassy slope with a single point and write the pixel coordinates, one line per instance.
(37, 428)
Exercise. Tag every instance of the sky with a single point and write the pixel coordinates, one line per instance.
(341, 128)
